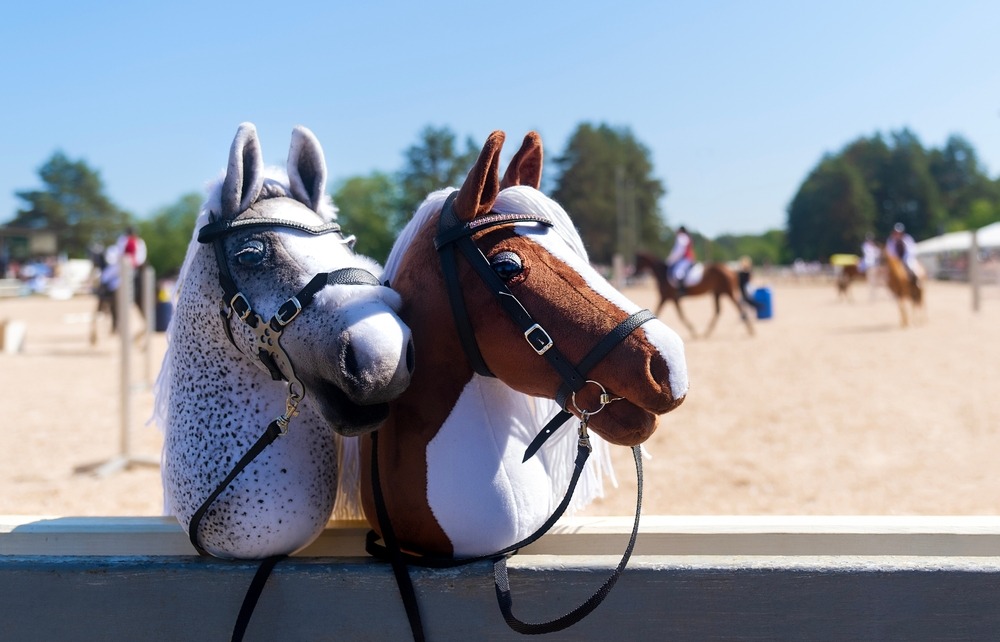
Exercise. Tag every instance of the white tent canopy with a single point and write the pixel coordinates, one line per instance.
(986, 237)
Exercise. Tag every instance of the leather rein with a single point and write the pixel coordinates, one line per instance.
(454, 235)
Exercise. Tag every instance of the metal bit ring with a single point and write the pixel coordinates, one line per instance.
(605, 399)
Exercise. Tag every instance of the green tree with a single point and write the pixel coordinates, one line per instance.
(370, 209)
(168, 232)
(72, 204)
(831, 212)
(432, 164)
(604, 176)
(981, 213)
(897, 174)
(969, 197)
(763, 249)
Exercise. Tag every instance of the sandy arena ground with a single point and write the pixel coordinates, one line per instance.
(831, 408)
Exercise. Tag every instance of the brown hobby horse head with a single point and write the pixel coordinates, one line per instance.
(450, 453)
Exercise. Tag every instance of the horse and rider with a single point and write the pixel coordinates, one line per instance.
(900, 245)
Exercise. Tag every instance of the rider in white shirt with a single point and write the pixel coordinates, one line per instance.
(870, 254)
(902, 246)
(681, 258)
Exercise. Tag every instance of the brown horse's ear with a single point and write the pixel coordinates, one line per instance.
(481, 186)
(526, 166)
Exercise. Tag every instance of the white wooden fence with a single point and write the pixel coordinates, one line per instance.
(691, 578)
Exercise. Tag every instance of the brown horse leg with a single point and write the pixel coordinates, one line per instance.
(715, 317)
(743, 313)
(659, 308)
(680, 313)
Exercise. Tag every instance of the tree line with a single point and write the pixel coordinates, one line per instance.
(878, 181)
(604, 178)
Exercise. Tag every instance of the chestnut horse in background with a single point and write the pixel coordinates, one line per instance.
(847, 275)
(904, 289)
(717, 280)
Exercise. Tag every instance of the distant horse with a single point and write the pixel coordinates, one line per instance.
(908, 290)
(717, 280)
(847, 275)
(507, 315)
(276, 320)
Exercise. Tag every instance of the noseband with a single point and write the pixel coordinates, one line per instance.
(453, 233)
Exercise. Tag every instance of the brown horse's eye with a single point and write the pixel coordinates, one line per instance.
(507, 265)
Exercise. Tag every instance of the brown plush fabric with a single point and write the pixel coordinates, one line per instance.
(526, 166)
(480, 189)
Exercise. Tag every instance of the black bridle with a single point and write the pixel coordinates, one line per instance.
(235, 303)
(454, 235)
(270, 354)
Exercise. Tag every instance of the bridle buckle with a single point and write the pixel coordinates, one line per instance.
(538, 339)
(288, 311)
(241, 306)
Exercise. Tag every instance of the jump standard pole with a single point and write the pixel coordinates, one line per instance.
(125, 458)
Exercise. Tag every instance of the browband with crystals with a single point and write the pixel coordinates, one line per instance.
(216, 229)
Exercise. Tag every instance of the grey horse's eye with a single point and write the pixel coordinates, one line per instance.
(507, 265)
(251, 254)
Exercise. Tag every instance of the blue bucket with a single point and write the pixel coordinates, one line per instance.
(164, 310)
(762, 297)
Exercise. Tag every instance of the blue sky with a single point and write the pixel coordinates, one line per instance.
(736, 101)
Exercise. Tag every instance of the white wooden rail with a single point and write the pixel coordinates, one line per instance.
(691, 578)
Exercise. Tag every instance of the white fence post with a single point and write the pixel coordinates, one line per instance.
(124, 298)
(974, 272)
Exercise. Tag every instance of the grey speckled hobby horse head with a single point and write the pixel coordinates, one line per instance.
(306, 330)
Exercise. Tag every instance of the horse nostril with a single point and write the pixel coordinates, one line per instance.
(409, 356)
(350, 361)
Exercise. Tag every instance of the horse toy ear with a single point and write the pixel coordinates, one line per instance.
(306, 168)
(481, 186)
(526, 166)
(245, 173)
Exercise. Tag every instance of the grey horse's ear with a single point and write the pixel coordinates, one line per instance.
(306, 168)
(245, 173)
